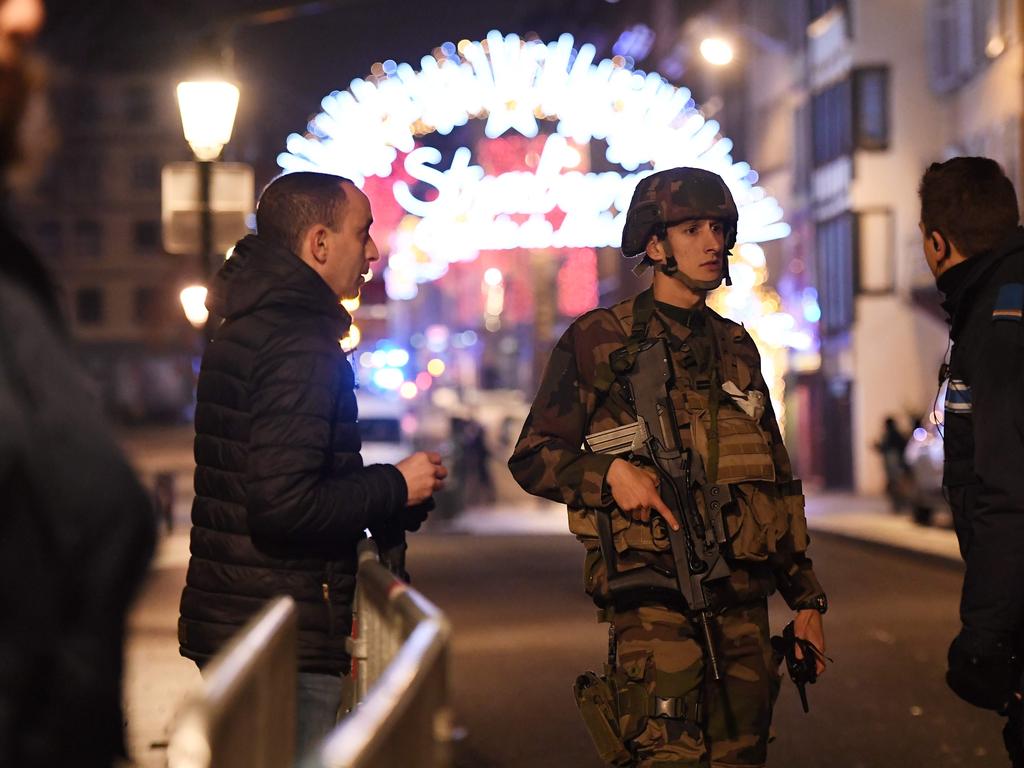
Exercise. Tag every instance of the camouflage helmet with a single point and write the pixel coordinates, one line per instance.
(674, 195)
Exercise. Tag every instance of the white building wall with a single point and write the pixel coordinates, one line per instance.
(981, 117)
(896, 348)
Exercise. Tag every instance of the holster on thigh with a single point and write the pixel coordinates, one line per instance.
(598, 702)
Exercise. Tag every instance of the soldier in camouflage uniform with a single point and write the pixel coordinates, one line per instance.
(667, 710)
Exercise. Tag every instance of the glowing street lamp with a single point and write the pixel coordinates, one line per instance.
(207, 115)
(717, 51)
(193, 301)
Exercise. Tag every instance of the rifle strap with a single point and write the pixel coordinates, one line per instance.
(643, 310)
(714, 400)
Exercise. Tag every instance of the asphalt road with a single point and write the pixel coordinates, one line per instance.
(524, 629)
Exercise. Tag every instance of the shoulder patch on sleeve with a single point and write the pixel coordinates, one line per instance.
(1009, 302)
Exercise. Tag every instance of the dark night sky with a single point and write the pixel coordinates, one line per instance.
(284, 69)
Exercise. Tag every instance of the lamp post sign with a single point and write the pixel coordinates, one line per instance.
(232, 189)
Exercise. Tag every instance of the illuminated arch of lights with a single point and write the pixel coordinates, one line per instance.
(646, 124)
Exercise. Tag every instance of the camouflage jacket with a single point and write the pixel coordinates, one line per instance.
(578, 395)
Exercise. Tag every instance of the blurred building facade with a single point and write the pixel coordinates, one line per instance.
(95, 216)
(843, 104)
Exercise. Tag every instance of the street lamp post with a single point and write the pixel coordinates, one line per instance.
(207, 116)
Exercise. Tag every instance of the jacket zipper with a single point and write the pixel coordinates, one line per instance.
(326, 590)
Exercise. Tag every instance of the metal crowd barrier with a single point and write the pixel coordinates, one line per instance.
(399, 690)
(248, 693)
(397, 695)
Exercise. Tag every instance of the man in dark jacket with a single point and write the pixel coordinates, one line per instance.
(76, 529)
(975, 248)
(282, 496)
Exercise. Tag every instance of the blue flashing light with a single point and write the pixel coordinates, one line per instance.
(397, 358)
(812, 312)
(389, 378)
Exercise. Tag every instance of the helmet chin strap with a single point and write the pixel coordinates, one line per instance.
(671, 268)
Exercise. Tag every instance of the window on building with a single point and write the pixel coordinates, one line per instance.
(86, 104)
(49, 238)
(84, 174)
(138, 104)
(871, 108)
(802, 148)
(837, 279)
(147, 236)
(89, 308)
(150, 306)
(145, 173)
(949, 44)
(88, 238)
(963, 36)
(832, 123)
(876, 246)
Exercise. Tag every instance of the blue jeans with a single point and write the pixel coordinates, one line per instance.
(317, 702)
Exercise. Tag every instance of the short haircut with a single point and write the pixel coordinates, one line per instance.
(970, 202)
(294, 202)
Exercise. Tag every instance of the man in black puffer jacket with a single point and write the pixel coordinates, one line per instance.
(975, 248)
(282, 496)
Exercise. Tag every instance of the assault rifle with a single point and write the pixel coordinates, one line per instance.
(654, 441)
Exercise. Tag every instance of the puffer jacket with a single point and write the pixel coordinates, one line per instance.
(282, 496)
(983, 438)
(76, 535)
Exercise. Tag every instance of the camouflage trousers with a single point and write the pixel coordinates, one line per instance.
(726, 723)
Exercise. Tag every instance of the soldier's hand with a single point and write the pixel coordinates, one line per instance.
(636, 493)
(424, 475)
(809, 626)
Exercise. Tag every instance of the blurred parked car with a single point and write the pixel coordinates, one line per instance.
(924, 458)
(380, 426)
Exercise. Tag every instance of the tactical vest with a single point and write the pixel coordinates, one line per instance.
(767, 516)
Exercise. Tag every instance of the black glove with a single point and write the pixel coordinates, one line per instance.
(803, 670)
(390, 536)
(412, 517)
(984, 674)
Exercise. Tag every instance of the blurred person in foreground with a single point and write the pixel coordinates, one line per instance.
(661, 704)
(76, 529)
(282, 495)
(974, 245)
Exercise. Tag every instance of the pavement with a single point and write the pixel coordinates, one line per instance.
(158, 681)
(523, 628)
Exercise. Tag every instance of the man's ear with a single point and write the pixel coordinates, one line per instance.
(656, 250)
(316, 243)
(940, 245)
